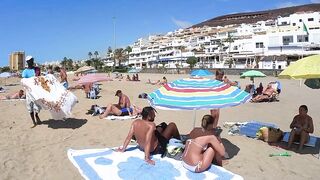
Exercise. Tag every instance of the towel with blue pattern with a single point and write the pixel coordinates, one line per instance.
(109, 164)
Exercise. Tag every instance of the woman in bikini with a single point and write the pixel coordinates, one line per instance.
(203, 147)
(199, 152)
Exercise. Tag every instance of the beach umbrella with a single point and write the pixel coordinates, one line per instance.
(84, 69)
(313, 83)
(92, 71)
(196, 94)
(93, 78)
(134, 71)
(201, 73)
(252, 74)
(305, 68)
(5, 75)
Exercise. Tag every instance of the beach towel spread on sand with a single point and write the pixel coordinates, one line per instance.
(312, 140)
(108, 164)
(48, 93)
(112, 117)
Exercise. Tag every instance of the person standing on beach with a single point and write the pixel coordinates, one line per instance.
(302, 126)
(215, 113)
(63, 77)
(32, 107)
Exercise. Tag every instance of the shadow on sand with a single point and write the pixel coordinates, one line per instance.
(306, 149)
(231, 149)
(70, 123)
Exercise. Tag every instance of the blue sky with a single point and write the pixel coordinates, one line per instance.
(53, 29)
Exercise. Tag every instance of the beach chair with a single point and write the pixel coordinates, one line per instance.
(277, 87)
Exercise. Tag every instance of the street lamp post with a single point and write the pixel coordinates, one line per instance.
(114, 40)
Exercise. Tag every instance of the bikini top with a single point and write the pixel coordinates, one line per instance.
(199, 145)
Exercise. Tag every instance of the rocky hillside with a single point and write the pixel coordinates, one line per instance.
(252, 17)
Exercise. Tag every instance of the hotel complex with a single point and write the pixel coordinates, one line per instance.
(17, 61)
(268, 44)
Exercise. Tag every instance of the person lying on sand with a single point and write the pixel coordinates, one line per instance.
(207, 129)
(158, 82)
(152, 139)
(18, 95)
(266, 94)
(120, 109)
(302, 126)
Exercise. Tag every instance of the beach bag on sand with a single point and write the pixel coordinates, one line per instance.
(270, 134)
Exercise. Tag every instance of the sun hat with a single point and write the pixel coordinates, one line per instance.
(28, 58)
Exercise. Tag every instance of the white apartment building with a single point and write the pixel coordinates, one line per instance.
(268, 44)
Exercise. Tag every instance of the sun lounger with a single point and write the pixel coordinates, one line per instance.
(108, 164)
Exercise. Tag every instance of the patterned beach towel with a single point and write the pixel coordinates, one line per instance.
(48, 93)
(108, 164)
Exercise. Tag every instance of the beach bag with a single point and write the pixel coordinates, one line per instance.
(175, 149)
(92, 94)
(270, 134)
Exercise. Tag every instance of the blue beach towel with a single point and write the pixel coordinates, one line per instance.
(312, 141)
(250, 129)
(108, 164)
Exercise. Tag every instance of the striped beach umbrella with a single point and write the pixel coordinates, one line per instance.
(196, 94)
(201, 73)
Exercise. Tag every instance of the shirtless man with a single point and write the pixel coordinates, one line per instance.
(215, 113)
(17, 95)
(123, 107)
(151, 140)
(301, 126)
(266, 94)
(63, 77)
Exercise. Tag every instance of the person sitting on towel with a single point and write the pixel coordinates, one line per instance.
(120, 109)
(199, 152)
(207, 129)
(152, 139)
(18, 95)
(301, 126)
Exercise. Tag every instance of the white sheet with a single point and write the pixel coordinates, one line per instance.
(48, 93)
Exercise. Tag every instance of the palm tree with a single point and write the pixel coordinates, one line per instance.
(229, 40)
(119, 56)
(90, 55)
(64, 62)
(96, 53)
(128, 49)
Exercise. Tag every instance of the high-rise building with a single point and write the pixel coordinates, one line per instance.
(17, 60)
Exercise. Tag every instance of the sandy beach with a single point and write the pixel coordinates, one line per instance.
(41, 152)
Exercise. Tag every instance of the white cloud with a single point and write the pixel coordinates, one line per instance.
(315, 1)
(287, 4)
(181, 24)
